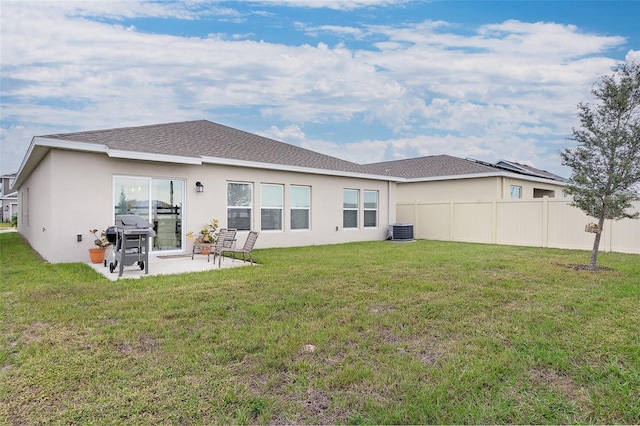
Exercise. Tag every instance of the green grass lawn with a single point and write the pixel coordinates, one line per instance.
(402, 333)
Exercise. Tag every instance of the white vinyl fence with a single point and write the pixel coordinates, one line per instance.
(539, 222)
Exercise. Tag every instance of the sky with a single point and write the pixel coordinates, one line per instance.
(362, 80)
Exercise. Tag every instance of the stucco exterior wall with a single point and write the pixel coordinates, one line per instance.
(35, 198)
(459, 189)
(72, 192)
(479, 188)
(528, 188)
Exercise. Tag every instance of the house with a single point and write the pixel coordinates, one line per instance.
(454, 199)
(8, 197)
(179, 176)
(444, 178)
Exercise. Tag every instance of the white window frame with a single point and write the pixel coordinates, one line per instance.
(293, 208)
(263, 186)
(149, 180)
(369, 209)
(519, 188)
(245, 207)
(349, 209)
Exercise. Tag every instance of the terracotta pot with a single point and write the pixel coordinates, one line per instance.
(204, 250)
(97, 255)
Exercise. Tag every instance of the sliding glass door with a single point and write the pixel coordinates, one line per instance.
(159, 201)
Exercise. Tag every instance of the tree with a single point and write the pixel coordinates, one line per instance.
(606, 163)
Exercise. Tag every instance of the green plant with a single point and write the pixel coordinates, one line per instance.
(14, 220)
(207, 234)
(100, 240)
(606, 163)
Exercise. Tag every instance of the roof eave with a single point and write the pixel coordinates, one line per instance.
(298, 169)
(40, 146)
(490, 174)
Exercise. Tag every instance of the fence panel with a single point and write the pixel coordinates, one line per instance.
(536, 222)
(519, 222)
(473, 221)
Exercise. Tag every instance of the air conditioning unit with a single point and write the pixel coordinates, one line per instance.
(401, 232)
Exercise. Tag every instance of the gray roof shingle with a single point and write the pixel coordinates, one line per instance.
(204, 138)
(431, 166)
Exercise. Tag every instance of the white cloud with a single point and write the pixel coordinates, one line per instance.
(507, 90)
(292, 134)
(330, 4)
(633, 56)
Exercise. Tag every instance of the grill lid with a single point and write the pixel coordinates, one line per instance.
(130, 224)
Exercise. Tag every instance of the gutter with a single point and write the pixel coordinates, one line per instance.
(41, 145)
(512, 175)
(300, 169)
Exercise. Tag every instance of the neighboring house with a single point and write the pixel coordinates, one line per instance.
(8, 197)
(444, 178)
(181, 175)
(453, 199)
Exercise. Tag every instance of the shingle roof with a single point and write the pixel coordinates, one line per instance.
(203, 138)
(523, 168)
(431, 166)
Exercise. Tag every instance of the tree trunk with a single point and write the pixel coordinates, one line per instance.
(596, 244)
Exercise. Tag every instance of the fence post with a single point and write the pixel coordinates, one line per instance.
(451, 220)
(545, 221)
(494, 221)
(416, 227)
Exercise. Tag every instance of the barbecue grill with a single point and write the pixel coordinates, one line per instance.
(112, 236)
(133, 235)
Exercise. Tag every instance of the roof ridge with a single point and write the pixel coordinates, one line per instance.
(116, 129)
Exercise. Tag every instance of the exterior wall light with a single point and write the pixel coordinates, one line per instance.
(199, 187)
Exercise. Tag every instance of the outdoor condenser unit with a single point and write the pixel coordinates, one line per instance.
(401, 232)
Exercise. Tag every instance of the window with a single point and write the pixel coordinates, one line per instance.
(539, 193)
(516, 191)
(239, 202)
(158, 201)
(350, 202)
(271, 206)
(370, 209)
(300, 207)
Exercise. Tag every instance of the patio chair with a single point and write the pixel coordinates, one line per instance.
(247, 249)
(226, 238)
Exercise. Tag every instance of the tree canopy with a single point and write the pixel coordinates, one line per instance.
(606, 162)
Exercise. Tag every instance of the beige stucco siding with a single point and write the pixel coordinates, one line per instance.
(528, 188)
(472, 189)
(35, 197)
(72, 192)
(460, 189)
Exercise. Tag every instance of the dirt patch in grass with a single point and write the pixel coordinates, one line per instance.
(382, 309)
(34, 332)
(144, 344)
(559, 382)
(589, 268)
(317, 402)
(430, 349)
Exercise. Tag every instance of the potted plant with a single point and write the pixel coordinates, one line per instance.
(592, 227)
(206, 236)
(97, 253)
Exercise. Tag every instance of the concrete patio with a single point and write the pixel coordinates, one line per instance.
(171, 264)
